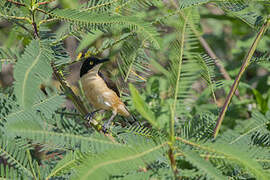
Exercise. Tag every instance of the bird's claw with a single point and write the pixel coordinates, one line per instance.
(104, 128)
(89, 117)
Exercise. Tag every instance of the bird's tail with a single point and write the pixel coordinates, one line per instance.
(127, 116)
(122, 110)
(131, 120)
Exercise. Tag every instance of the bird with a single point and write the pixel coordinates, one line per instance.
(99, 91)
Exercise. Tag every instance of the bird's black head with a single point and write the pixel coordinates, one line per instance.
(89, 63)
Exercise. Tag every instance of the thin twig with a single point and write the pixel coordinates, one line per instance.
(212, 156)
(41, 10)
(17, 18)
(34, 25)
(211, 53)
(21, 4)
(217, 62)
(46, 2)
(31, 164)
(19, 24)
(240, 74)
(173, 163)
(46, 20)
(16, 3)
(68, 114)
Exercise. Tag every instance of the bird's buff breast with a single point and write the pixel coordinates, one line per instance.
(97, 92)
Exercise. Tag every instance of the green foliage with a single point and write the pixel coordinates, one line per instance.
(32, 68)
(203, 165)
(186, 4)
(7, 56)
(118, 160)
(46, 106)
(243, 10)
(243, 159)
(143, 131)
(141, 106)
(208, 73)
(168, 59)
(134, 65)
(15, 156)
(94, 21)
(69, 162)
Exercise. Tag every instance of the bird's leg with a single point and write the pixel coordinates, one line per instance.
(89, 116)
(108, 123)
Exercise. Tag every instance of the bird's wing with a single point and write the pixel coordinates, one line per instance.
(109, 83)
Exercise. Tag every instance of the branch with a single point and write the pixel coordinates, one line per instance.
(240, 74)
(34, 25)
(77, 102)
(46, 2)
(173, 163)
(16, 3)
(46, 20)
(212, 156)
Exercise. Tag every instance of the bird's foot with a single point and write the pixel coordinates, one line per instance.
(89, 117)
(105, 128)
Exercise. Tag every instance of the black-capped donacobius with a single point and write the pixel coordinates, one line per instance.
(100, 93)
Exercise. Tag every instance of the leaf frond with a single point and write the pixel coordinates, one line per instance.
(118, 160)
(30, 70)
(15, 156)
(94, 21)
(205, 166)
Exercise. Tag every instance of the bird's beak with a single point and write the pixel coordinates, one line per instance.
(103, 60)
(97, 66)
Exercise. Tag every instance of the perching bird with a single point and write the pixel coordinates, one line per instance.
(100, 94)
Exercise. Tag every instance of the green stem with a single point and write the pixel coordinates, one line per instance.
(178, 77)
(31, 164)
(67, 114)
(173, 107)
(240, 74)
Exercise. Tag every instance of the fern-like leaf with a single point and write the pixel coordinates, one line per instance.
(208, 73)
(7, 56)
(243, 159)
(142, 107)
(119, 160)
(142, 131)
(29, 72)
(34, 129)
(15, 156)
(255, 130)
(183, 66)
(94, 21)
(191, 3)
(242, 10)
(46, 106)
(70, 161)
(7, 173)
(134, 65)
(203, 165)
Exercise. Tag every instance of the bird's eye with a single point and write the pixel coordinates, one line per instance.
(91, 62)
